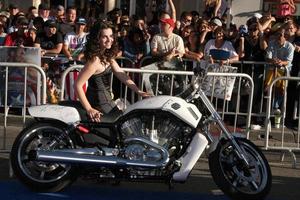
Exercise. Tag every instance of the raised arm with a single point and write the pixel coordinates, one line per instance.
(173, 10)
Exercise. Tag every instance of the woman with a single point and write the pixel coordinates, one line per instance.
(285, 8)
(214, 8)
(135, 45)
(193, 49)
(221, 44)
(100, 51)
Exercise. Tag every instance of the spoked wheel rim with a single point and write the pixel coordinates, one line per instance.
(250, 181)
(36, 139)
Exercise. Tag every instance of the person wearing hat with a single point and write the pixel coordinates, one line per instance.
(44, 11)
(279, 54)
(74, 42)
(227, 52)
(167, 45)
(19, 37)
(50, 41)
(13, 10)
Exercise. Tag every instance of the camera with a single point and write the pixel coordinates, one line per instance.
(243, 30)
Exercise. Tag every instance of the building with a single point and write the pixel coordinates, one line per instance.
(241, 9)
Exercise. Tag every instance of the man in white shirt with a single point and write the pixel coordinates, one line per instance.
(169, 47)
(167, 44)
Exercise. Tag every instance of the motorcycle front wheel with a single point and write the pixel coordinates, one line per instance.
(41, 176)
(236, 180)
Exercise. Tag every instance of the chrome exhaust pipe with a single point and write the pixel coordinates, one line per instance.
(90, 157)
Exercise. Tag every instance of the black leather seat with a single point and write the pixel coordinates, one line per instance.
(110, 117)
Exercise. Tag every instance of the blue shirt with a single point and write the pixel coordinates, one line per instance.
(285, 52)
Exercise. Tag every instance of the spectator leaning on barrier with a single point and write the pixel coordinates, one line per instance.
(136, 46)
(20, 37)
(50, 41)
(279, 54)
(167, 44)
(221, 44)
(74, 42)
(193, 49)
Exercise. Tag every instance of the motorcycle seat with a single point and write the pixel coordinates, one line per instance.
(111, 117)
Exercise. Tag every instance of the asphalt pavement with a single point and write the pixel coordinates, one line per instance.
(285, 185)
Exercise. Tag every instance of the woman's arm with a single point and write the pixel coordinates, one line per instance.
(241, 49)
(89, 69)
(66, 51)
(173, 10)
(217, 7)
(124, 78)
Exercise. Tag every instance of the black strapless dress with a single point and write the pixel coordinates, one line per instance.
(98, 92)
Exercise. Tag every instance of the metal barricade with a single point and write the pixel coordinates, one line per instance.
(287, 144)
(8, 65)
(223, 112)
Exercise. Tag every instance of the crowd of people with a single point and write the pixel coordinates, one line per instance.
(265, 37)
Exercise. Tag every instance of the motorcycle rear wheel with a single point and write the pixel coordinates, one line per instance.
(231, 176)
(41, 176)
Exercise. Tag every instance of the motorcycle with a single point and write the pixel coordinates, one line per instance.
(156, 139)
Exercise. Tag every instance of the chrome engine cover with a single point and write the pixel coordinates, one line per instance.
(157, 127)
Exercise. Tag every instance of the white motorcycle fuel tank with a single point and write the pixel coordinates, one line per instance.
(187, 112)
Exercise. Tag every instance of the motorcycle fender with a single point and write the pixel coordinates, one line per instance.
(212, 146)
(65, 114)
(190, 157)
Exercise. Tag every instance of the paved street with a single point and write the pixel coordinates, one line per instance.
(286, 183)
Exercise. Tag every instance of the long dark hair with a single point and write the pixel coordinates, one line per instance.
(92, 48)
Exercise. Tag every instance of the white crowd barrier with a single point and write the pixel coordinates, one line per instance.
(286, 144)
(227, 108)
(41, 82)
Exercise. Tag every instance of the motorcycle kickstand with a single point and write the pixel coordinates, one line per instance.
(171, 184)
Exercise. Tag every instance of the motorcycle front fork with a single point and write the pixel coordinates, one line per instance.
(216, 118)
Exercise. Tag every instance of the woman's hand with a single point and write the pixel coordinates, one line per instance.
(144, 94)
(94, 115)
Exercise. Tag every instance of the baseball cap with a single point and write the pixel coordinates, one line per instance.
(257, 15)
(13, 6)
(80, 20)
(44, 6)
(60, 7)
(168, 21)
(216, 21)
(50, 23)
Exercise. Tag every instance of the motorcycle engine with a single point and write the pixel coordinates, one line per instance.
(160, 128)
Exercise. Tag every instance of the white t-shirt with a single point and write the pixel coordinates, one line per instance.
(75, 43)
(164, 44)
(227, 46)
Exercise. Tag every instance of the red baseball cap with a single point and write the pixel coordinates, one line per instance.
(168, 21)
